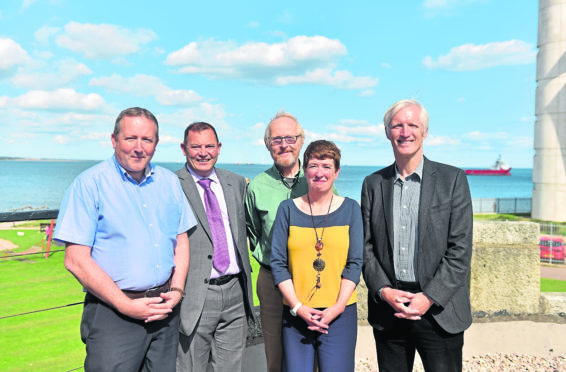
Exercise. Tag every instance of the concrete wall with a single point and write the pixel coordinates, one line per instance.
(505, 271)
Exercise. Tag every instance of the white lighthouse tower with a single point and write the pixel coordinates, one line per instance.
(549, 167)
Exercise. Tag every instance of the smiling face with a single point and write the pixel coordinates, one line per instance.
(407, 133)
(285, 155)
(202, 150)
(321, 174)
(135, 144)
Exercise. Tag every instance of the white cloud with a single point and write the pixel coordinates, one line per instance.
(45, 33)
(325, 76)
(298, 60)
(440, 140)
(96, 136)
(68, 71)
(27, 3)
(253, 24)
(227, 59)
(476, 57)
(213, 114)
(60, 99)
(367, 93)
(362, 130)
(141, 85)
(258, 126)
(103, 40)
(353, 121)
(482, 136)
(332, 136)
(445, 4)
(61, 139)
(11, 55)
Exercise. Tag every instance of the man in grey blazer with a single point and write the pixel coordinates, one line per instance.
(219, 298)
(417, 217)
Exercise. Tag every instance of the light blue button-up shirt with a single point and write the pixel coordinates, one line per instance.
(132, 228)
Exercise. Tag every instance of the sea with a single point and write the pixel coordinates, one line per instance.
(40, 184)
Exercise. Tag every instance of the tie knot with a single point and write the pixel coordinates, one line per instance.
(205, 183)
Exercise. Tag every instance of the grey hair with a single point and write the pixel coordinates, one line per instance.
(281, 114)
(398, 106)
(135, 112)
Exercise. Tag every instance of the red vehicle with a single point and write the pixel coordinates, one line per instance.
(551, 249)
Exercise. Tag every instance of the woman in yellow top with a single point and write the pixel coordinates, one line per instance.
(316, 261)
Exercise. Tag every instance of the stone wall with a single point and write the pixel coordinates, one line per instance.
(505, 273)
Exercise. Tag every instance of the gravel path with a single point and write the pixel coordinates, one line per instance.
(489, 363)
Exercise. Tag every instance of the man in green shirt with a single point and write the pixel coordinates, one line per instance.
(284, 139)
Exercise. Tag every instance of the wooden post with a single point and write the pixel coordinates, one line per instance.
(49, 236)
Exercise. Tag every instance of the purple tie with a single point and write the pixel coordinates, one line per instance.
(221, 258)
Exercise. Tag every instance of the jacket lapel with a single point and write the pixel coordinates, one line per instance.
(227, 189)
(428, 185)
(387, 202)
(190, 189)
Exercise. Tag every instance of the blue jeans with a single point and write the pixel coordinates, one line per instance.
(336, 350)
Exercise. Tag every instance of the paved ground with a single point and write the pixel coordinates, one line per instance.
(553, 271)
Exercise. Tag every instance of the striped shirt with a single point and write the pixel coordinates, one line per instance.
(406, 197)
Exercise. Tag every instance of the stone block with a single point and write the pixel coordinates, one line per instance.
(505, 274)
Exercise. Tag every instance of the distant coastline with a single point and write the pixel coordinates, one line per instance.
(10, 158)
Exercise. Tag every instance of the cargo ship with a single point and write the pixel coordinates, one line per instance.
(500, 168)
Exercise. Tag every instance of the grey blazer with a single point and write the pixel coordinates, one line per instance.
(201, 248)
(444, 247)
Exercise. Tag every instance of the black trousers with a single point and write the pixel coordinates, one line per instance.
(439, 350)
(115, 342)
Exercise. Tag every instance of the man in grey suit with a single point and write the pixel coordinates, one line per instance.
(417, 217)
(218, 289)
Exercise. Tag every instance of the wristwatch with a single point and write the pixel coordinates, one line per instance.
(296, 308)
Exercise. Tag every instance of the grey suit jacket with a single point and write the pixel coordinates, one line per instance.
(444, 244)
(201, 248)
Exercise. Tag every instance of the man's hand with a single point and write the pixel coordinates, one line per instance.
(407, 305)
(146, 308)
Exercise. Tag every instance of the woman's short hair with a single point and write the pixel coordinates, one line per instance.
(322, 149)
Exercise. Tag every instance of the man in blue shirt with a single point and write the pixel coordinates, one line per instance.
(124, 224)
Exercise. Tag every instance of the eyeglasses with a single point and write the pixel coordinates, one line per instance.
(290, 140)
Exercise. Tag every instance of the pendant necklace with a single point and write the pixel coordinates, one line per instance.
(318, 264)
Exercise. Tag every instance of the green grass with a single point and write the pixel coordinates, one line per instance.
(25, 240)
(552, 285)
(44, 341)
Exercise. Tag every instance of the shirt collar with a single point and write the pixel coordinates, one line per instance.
(418, 172)
(284, 179)
(212, 176)
(149, 171)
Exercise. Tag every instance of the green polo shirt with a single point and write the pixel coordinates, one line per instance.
(265, 192)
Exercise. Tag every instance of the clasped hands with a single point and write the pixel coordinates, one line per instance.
(150, 309)
(319, 320)
(407, 305)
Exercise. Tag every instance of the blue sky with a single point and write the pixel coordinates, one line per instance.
(67, 68)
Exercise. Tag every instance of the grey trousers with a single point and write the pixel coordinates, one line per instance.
(218, 342)
(115, 342)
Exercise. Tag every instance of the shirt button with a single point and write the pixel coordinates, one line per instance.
(156, 245)
(157, 266)
(405, 207)
(210, 257)
(145, 206)
(402, 248)
(150, 225)
(403, 227)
